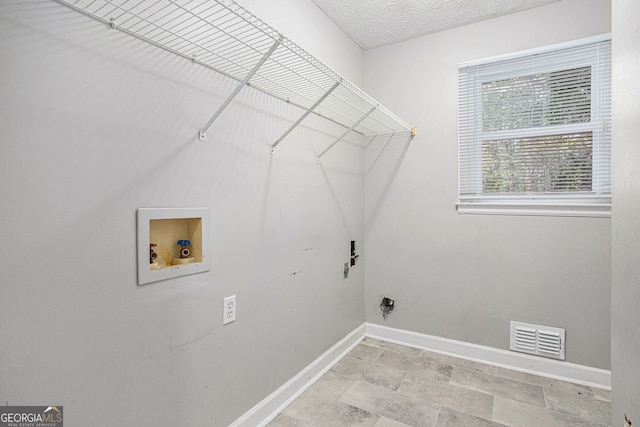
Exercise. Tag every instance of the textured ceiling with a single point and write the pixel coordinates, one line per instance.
(373, 23)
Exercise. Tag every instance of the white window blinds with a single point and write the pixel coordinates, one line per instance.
(535, 131)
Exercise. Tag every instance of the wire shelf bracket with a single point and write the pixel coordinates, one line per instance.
(203, 131)
(226, 38)
(344, 134)
(304, 116)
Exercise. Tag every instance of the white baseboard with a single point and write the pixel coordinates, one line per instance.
(550, 368)
(265, 411)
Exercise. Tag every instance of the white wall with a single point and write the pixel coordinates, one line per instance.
(464, 277)
(95, 124)
(625, 245)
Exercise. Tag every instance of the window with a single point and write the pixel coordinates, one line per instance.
(535, 132)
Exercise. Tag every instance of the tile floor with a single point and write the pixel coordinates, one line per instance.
(388, 385)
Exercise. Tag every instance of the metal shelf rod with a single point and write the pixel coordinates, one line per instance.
(203, 131)
(344, 134)
(313, 107)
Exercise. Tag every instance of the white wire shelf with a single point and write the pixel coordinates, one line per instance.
(223, 36)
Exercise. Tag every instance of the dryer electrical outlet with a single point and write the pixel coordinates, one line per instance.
(354, 256)
(229, 310)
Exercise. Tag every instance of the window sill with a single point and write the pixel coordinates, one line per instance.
(592, 210)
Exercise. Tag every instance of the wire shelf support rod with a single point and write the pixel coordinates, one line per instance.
(344, 134)
(203, 131)
(306, 113)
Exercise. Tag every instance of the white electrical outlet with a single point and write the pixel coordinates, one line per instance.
(229, 310)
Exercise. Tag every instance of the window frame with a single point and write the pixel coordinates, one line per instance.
(596, 203)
